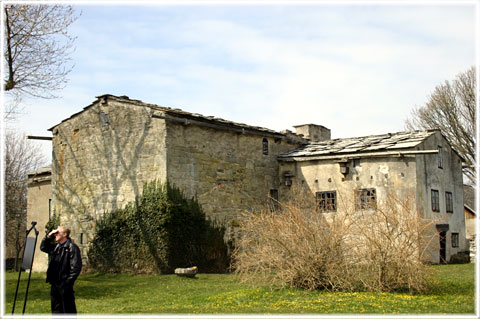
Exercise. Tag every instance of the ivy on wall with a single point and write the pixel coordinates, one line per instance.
(158, 232)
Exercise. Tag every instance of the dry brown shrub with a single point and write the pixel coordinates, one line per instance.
(392, 243)
(376, 250)
(295, 246)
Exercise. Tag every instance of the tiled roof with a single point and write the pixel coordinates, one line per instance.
(365, 144)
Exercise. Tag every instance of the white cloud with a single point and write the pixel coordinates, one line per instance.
(357, 70)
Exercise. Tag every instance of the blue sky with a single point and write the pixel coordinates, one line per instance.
(358, 69)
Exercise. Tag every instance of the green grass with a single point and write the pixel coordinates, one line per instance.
(452, 292)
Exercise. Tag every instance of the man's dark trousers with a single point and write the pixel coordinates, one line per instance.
(62, 302)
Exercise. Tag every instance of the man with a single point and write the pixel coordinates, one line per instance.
(64, 266)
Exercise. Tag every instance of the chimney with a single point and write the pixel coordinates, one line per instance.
(313, 132)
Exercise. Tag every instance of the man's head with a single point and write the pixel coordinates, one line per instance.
(61, 234)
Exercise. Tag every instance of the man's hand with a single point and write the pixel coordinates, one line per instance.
(52, 233)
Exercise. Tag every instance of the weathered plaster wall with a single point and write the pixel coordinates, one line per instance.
(101, 159)
(446, 179)
(226, 170)
(380, 173)
(38, 208)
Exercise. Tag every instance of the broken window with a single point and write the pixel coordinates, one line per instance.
(455, 240)
(440, 157)
(326, 201)
(449, 202)
(365, 198)
(265, 146)
(435, 201)
(356, 162)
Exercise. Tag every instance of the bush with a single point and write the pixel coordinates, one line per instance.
(158, 232)
(378, 249)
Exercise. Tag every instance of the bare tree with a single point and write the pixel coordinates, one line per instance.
(21, 156)
(451, 109)
(37, 48)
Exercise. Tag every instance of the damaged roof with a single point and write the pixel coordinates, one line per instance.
(175, 112)
(359, 145)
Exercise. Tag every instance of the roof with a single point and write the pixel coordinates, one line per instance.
(469, 194)
(43, 174)
(41, 171)
(359, 145)
(176, 112)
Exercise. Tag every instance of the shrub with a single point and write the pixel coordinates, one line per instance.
(293, 247)
(160, 231)
(377, 249)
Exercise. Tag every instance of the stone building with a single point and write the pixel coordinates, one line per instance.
(368, 169)
(104, 154)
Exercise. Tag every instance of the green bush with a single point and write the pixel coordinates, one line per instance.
(160, 231)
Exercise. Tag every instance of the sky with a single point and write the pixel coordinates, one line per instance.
(357, 68)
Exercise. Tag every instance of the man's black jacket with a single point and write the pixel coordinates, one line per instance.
(64, 269)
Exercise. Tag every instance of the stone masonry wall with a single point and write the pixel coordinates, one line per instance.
(227, 171)
(101, 159)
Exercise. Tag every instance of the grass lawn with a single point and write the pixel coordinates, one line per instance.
(452, 292)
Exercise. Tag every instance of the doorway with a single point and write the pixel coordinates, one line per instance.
(443, 247)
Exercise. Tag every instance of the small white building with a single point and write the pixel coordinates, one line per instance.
(368, 168)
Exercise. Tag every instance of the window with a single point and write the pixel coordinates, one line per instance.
(454, 240)
(365, 198)
(265, 146)
(356, 162)
(440, 157)
(435, 201)
(326, 201)
(49, 208)
(449, 202)
(273, 199)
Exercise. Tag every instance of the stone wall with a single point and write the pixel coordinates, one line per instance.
(226, 170)
(102, 156)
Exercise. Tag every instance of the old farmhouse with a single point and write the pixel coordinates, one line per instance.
(104, 154)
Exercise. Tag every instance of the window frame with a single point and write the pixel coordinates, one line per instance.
(326, 201)
(265, 146)
(455, 240)
(440, 157)
(435, 200)
(365, 198)
(449, 202)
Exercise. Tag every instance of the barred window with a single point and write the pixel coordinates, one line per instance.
(326, 201)
(265, 146)
(454, 240)
(435, 201)
(449, 202)
(365, 198)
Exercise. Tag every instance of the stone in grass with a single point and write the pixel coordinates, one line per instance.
(186, 272)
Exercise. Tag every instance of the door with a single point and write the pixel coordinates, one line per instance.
(443, 247)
